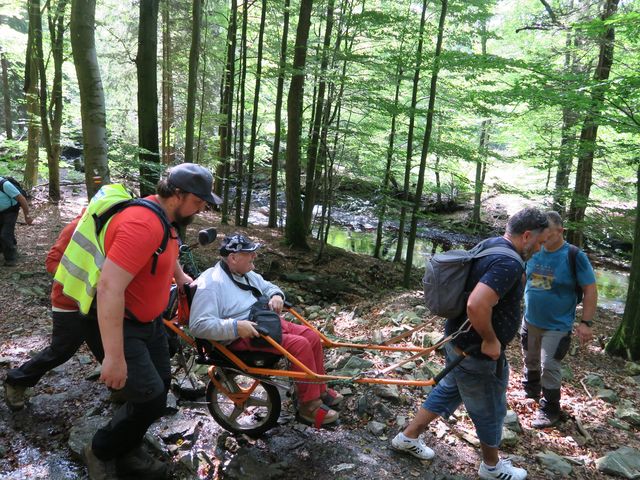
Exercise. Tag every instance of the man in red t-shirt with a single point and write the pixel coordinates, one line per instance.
(130, 300)
(69, 331)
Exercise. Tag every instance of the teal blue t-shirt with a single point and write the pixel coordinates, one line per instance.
(549, 297)
(8, 195)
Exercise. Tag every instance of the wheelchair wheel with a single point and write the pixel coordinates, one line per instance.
(256, 409)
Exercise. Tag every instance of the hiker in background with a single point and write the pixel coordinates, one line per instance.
(220, 311)
(480, 380)
(11, 201)
(69, 331)
(558, 277)
(132, 292)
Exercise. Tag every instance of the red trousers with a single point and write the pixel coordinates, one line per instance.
(304, 344)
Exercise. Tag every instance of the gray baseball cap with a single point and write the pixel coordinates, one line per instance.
(194, 178)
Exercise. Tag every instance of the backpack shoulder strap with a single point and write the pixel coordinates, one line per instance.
(102, 219)
(506, 251)
(573, 253)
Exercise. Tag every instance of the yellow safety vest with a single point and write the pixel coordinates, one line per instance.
(82, 261)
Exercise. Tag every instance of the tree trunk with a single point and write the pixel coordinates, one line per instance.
(567, 136)
(56, 32)
(254, 116)
(480, 167)
(412, 119)
(146, 67)
(295, 231)
(226, 128)
(273, 190)
(242, 87)
(31, 91)
(203, 82)
(387, 170)
(194, 56)
(626, 340)
(311, 183)
(168, 149)
(425, 144)
(589, 133)
(8, 122)
(92, 106)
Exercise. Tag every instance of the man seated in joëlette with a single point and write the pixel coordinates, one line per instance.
(220, 311)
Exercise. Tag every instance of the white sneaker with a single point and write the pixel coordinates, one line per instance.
(413, 446)
(502, 471)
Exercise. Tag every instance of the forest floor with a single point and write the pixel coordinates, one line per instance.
(358, 299)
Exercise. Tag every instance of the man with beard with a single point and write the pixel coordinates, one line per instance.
(132, 293)
(480, 380)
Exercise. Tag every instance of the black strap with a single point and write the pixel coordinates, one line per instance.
(102, 219)
(573, 254)
(243, 286)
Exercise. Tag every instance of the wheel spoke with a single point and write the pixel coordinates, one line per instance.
(237, 411)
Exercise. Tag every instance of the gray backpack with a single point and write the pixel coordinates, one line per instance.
(445, 278)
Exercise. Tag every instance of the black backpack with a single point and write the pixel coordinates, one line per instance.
(16, 184)
(573, 253)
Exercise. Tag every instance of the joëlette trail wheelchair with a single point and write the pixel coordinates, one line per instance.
(242, 394)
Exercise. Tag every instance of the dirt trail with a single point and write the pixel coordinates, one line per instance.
(35, 440)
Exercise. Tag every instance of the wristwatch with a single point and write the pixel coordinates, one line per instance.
(588, 323)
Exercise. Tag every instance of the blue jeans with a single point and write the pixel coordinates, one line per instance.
(475, 383)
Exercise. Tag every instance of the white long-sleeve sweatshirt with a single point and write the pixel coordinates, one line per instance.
(219, 303)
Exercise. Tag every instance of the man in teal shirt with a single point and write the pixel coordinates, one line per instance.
(11, 200)
(550, 312)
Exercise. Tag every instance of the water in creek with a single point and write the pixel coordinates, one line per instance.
(612, 284)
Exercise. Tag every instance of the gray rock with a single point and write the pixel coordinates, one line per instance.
(95, 374)
(619, 424)
(190, 461)
(632, 368)
(377, 428)
(354, 366)
(245, 465)
(341, 467)
(629, 414)
(509, 438)
(82, 432)
(388, 392)
(594, 381)
(401, 421)
(636, 378)
(85, 359)
(607, 395)
(555, 463)
(512, 422)
(624, 462)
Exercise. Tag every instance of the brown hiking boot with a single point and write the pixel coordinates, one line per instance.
(545, 419)
(139, 463)
(98, 469)
(14, 396)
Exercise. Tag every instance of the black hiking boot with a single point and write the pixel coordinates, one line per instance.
(545, 419)
(139, 464)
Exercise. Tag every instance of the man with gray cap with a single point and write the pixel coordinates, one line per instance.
(131, 296)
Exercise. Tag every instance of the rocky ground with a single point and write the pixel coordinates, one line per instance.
(345, 295)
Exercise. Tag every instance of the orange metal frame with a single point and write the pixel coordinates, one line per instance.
(306, 374)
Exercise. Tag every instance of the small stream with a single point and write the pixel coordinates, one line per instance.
(612, 284)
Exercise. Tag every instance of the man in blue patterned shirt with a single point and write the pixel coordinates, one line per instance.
(480, 380)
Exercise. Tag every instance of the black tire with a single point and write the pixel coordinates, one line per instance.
(259, 414)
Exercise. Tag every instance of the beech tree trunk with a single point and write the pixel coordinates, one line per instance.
(226, 128)
(254, 116)
(31, 91)
(8, 122)
(241, 114)
(146, 68)
(412, 119)
(92, 106)
(275, 166)
(589, 133)
(311, 180)
(194, 56)
(168, 149)
(425, 144)
(295, 228)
